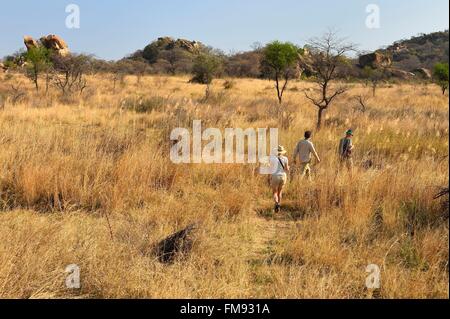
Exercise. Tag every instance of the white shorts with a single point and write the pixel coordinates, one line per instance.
(278, 181)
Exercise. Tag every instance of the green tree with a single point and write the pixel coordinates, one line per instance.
(281, 59)
(441, 76)
(206, 67)
(38, 60)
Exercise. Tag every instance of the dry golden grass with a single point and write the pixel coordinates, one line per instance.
(67, 166)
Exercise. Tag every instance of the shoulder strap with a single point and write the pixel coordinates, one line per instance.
(281, 162)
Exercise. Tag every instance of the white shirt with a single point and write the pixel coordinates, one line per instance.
(304, 150)
(275, 165)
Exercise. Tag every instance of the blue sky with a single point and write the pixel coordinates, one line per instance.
(111, 29)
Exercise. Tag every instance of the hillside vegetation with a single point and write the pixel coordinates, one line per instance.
(422, 51)
(167, 55)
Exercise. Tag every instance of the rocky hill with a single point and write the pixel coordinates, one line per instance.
(168, 55)
(408, 59)
(422, 51)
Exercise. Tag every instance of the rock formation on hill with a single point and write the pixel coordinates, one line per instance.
(29, 42)
(169, 55)
(379, 60)
(375, 60)
(423, 73)
(55, 43)
(306, 63)
(51, 42)
(168, 43)
(421, 51)
(2, 68)
(399, 74)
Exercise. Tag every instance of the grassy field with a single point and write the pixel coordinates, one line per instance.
(75, 171)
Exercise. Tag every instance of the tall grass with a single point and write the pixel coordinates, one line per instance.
(65, 167)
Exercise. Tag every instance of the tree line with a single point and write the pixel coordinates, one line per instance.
(324, 61)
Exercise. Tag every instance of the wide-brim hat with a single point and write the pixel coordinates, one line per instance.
(281, 150)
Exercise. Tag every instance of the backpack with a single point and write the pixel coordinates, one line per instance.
(346, 151)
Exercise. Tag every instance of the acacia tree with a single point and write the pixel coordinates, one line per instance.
(140, 68)
(177, 60)
(71, 73)
(441, 76)
(374, 76)
(118, 73)
(281, 59)
(38, 59)
(326, 59)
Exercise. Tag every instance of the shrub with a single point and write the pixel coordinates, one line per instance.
(206, 67)
(441, 76)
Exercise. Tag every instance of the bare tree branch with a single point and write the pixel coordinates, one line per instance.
(327, 56)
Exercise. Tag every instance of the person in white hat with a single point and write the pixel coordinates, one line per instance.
(278, 179)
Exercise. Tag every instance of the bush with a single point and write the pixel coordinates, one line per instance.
(206, 67)
(244, 65)
(441, 76)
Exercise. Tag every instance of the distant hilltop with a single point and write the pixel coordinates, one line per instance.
(415, 57)
(163, 46)
(422, 51)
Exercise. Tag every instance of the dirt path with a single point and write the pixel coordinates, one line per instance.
(271, 233)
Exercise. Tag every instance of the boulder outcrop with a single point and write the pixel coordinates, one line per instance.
(375, 60)
(168, 43)
(400, 74)
(51, 42)
(423, 73)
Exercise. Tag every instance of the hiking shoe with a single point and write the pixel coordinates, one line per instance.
(277, 208)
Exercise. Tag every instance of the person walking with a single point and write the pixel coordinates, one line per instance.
(303, 151)
(346, 148)
(278, 178)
